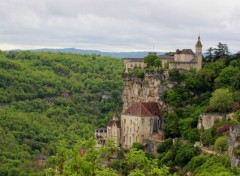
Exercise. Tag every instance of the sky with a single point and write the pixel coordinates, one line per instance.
(119, 25)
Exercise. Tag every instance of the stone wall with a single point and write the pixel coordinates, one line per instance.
(234, 145)
(183, 57)
(184, 65)
(207, 120)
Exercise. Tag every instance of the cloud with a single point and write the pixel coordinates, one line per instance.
(113, 25)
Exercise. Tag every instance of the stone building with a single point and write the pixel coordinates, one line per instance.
(130, 63)
(114, 129)
(100, 136)
(186, 59)
(139, 122)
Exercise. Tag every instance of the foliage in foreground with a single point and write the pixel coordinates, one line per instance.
(85, 160)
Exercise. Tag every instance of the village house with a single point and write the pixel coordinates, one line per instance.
(100, 136)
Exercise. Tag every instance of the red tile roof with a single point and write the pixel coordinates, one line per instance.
(143, 109)
(185, 51)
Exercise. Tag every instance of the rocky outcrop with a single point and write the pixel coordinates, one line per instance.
(147, 89)
(234, 145)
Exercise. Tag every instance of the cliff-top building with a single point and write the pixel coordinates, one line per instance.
(184, 59)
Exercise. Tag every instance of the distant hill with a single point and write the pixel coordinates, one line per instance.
(112, 54)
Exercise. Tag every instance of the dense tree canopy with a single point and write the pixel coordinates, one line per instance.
(47, 97)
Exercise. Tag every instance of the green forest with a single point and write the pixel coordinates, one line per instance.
(51, 103)
(46, 98)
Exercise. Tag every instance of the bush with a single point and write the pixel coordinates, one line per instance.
(207, 137)
(222, 129)
(166, 145)
(221, 144)
(237, 115)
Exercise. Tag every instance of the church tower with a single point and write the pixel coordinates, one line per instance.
(198, 53)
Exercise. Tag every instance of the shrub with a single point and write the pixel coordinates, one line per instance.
(221, 144)
(222, 129)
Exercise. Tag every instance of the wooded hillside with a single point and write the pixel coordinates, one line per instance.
(47, 97)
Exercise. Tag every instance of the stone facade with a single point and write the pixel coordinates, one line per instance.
(207, 120)
(100, 136)
(139, 122)
(234, 146)
(186, 59)
(130, 63)
(114, 130)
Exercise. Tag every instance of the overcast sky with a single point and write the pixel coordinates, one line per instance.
(119, 25)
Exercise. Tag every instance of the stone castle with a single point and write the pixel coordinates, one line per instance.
(141, 119)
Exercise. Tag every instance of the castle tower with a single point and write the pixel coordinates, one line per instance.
(198, 53)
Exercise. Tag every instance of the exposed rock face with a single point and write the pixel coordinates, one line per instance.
(148, 89)
(234, 145)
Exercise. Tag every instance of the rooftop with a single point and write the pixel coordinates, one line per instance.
(143, 109)
(185, 51)
(134, 59)
(166, 57)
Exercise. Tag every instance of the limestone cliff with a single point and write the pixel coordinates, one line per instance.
(147, 89)
(234, 145)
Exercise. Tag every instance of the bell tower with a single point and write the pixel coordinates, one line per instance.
(198, 47)
(198, 53)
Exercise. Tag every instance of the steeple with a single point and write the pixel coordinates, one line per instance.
(198, 47)
(198, 44)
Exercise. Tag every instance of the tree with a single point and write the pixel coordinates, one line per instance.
(221, 50)
(221, 100)
(152, 60)
(207, 137)
(209, 53)
(221, 144)
(171, 125)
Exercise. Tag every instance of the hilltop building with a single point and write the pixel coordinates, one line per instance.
(130, 63)
(184, 59)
